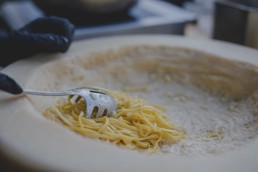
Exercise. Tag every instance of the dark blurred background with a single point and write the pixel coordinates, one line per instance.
(229, 20)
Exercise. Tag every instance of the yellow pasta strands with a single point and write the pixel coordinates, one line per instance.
(135, 125)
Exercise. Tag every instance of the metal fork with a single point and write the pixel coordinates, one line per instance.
(98, 102)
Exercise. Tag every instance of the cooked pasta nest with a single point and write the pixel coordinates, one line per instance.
(135, 125)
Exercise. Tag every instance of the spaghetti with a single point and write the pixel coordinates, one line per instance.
(135, 125)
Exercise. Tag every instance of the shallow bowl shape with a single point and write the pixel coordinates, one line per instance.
(29, 138)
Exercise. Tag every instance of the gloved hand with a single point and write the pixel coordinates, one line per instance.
(48, 34)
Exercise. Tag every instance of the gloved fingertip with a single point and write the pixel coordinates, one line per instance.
(63, 43)
(53, 43)
(9, 85)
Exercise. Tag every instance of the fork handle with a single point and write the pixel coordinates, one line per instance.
(9, 85)
(44, 93)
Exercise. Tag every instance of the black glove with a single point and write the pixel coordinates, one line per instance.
(48, 34)
(9, 85)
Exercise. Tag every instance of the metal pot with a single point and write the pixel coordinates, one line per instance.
(237, 21)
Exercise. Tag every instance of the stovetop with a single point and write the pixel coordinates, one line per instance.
(148, 16)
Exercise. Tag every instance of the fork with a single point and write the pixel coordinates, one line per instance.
(98, 102)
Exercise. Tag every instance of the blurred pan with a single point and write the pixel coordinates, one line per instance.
(87, 12)
(91, 6)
